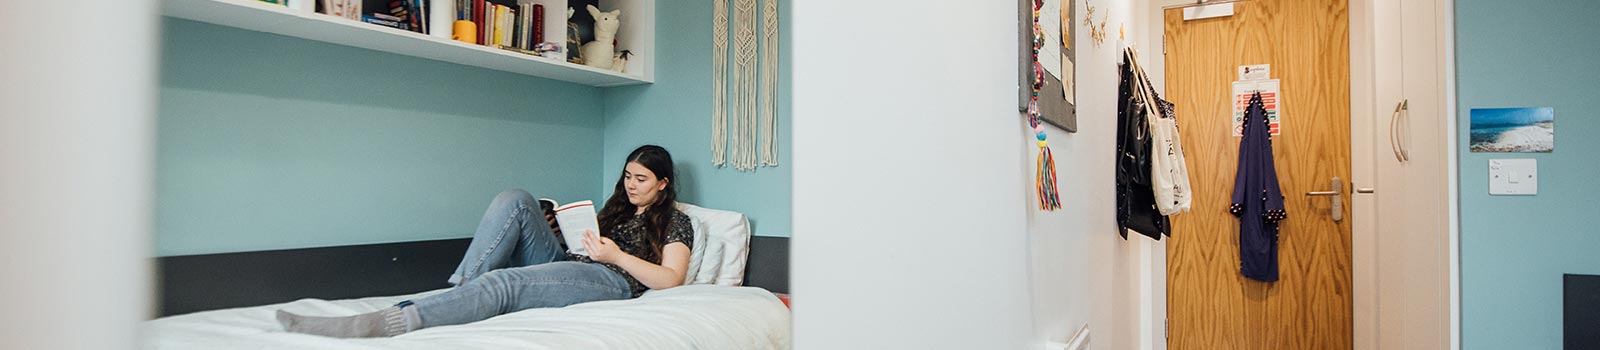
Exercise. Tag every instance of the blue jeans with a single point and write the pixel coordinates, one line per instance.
(514, 263)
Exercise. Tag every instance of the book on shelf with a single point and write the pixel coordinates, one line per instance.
(528, 29)
(279, 2)
(416, 13)
(490, 10)
(502, 21)
(580, 29)
(479, 14)
(422, 5)
(538, 25)
(485, 16)
(510, 27)
(517, 27)
(350, 9)
(520, 33)
(411, 14)
(398, 8)
(386, 20)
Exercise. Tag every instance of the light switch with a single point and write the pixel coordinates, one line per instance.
(1515, 177)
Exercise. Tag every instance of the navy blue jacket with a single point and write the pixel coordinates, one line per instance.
(1257, 200)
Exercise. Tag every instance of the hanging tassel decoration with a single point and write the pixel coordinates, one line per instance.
(1045, 182)
(719, 83)
(769, 83)
(1047, 176)
(742, 122)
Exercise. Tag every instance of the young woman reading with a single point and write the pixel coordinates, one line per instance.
(515, 262)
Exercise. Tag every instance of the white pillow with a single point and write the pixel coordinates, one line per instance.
(721, 245)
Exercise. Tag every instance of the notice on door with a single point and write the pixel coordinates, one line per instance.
(1271, 99)
(1255, 72)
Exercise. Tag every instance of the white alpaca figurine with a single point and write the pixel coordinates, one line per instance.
(600, 52)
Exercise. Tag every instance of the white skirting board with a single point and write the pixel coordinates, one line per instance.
(1079, 341)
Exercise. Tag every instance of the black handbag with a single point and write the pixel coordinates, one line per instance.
(1136, 200)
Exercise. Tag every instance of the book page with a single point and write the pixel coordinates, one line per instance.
(575, 218)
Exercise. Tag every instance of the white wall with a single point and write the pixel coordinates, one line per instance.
(1083, 272)
(915, 223)
(76, 149)
(909, 212)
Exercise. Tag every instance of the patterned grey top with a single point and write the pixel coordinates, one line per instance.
(629, 237)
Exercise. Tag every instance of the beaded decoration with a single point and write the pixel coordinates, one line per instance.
(1045, 182)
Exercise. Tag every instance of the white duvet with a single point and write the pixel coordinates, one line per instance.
(687, 317)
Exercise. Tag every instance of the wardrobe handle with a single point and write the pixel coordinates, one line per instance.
(1392, 146)
(1394, 133)
(1405, 129)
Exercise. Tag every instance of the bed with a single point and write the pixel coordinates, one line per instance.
(687, 317)
(227, 301)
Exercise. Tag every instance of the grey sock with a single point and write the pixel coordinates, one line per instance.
(388, 322)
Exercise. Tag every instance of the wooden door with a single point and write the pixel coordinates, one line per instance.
(1210, 304)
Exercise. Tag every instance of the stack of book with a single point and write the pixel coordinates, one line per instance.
(409, 15)
(516, 26)
(387, 20)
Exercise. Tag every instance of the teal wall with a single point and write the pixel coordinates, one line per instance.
(675, 113)
(269, 142)
(273, 142)
(1514, 249)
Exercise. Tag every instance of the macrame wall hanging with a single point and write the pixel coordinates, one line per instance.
(769, 83)
(719, 83)
(744, 85)
(747, 136)
(1045, 180)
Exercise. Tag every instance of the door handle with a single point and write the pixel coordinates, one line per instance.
(1338, 198)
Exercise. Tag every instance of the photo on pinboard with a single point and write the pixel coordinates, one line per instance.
(1055, 60)
(1513, 130)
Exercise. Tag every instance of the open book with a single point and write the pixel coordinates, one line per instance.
(573, 218)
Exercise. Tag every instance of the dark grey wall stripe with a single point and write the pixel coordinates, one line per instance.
(216, 281)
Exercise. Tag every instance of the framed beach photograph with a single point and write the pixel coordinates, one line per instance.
(1514, 130)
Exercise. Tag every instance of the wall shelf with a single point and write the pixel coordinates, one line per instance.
(301, 21)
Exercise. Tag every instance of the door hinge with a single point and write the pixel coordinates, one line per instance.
(1166, 328)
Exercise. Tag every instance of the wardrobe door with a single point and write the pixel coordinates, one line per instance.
(1411, 160)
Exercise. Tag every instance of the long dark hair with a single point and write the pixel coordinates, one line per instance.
(658, 217)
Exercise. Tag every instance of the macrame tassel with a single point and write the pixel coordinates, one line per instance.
(719, 83)
(769, 83)
(1049, 197)
(743, 121)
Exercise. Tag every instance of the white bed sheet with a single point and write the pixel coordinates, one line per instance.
(687, 317)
